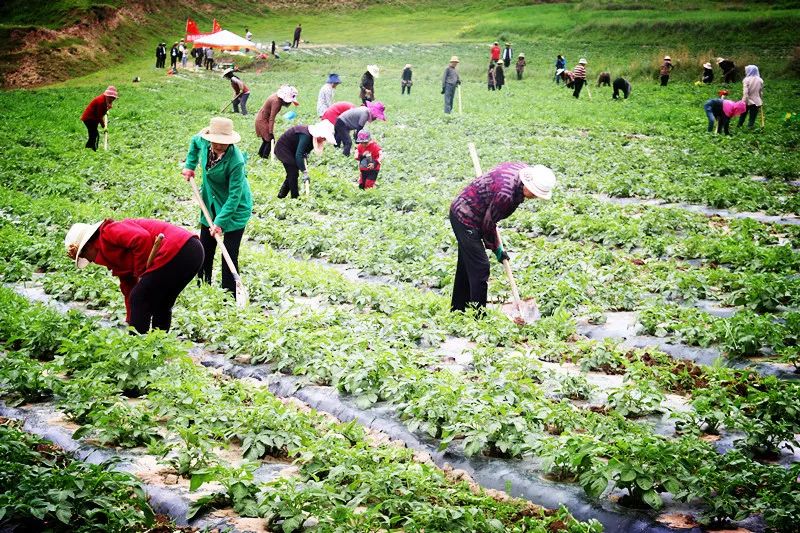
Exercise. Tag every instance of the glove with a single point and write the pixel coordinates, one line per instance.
(501, 255)
(305, 177)
(187, 173)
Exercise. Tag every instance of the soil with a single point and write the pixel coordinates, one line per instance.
(254, 525)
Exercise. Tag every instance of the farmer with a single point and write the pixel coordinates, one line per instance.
(296, 39)
(354, 120)
(367, 85)
(728, 70)
(521, 64)
(326, 93)
(247, 34)
(752, 86)
(150, 276)
(199, 55)
(494, 53)
(293, 147)
(499, 76)
(173, 56)
(265, 119)
(604, 79)
(95, 114)
(450, 81)
(474, 215)
(240, 91)
(561, 64)
(225, 191)
(666, 68)
(508, 54)
(708, 73)
(405, 80)
(183, 53)
(567, 77)
(334, 111)
(621, 85)
(368, 155)
(491, 79)
(580, 77)
(722, 111)
(161, 55)
(209, 59)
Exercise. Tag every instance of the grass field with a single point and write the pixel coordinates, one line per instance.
(661, 380)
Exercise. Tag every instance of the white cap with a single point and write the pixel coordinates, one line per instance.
(323, 129)
(77, 237)
(538, 179)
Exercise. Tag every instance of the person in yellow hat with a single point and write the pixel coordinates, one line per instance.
(450, 81)
(521, 64)
(666, 69)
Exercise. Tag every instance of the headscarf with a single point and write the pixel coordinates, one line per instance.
(751, 70)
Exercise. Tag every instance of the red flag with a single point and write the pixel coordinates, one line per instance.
(191, 27)
(216, 27)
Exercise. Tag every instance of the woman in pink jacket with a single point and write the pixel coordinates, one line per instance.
(722, 111)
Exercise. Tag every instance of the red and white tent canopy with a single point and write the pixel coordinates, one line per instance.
(224, 40)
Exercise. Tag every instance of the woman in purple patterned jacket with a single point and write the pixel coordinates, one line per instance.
(474, 215)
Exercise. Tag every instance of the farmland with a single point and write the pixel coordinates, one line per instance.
(659, 386)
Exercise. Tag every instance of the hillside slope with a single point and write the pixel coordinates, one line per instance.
(62, 39)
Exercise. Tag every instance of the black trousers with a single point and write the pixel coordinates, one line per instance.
(579, 83)
(173, 61)
(664, 81)
(231, 240)
(752, 113)
(152, 299)
(160, 61)
(290, 183)
(342, 136)
(94, 136)
(472, 270)
(265, 148)
(404, 88)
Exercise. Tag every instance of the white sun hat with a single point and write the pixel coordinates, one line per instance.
(220, 131)
(538, 179)
(288, 94)
(324, 130)
(582, 61)
(77, 237)
(374, 70)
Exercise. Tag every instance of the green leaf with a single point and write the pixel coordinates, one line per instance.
(652, 499)
(199, 477)
(64, 515)
(627, 475)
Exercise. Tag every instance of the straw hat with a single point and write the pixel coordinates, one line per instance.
(706, 65)
(377, 110)
(720, 60)
(227, 72)
(582, 61)
(667, 58)
(408, 65)
(538, 179)
(374, 70)
(288, 94)
(496, 43)
(559, 72)
(111, 92)
(321, 130)
(77, 237)
(220, 130)
(454, 59)
(522, 56)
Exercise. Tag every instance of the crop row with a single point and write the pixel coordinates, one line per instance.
(334, 347)
(185, 413)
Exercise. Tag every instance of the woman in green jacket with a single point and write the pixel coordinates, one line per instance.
(224, 190)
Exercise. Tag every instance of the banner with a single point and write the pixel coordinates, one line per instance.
(193, 32)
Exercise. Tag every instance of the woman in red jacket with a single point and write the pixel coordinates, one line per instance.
(151, 274)
(95, 114)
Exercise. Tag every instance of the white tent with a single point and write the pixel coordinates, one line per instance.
(224, 40)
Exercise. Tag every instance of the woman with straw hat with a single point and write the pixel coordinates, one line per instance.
(666, 69)
(405, 80)
(153, 260)
(95, 114)
(265, 119)
(293, 147)
(708, 73)
(474, 215)
(367, 85)
(521, 64)
(225, 192)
